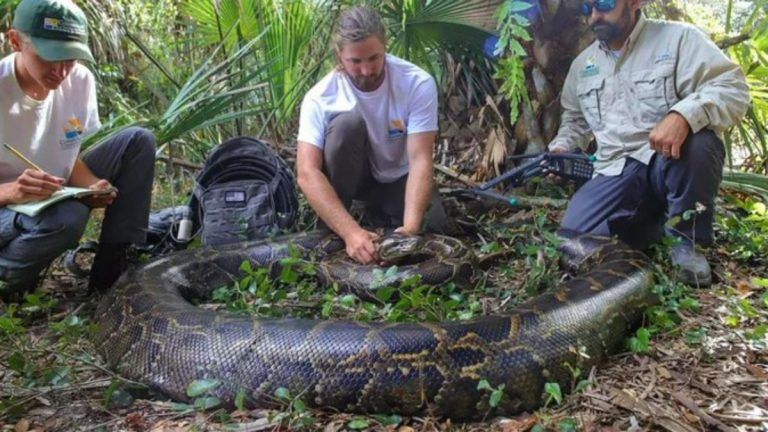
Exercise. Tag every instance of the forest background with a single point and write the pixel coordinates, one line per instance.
(198, 72)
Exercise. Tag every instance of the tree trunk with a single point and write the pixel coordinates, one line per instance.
(559, 34)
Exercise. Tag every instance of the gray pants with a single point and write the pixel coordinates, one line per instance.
(636, 204)
(29, 244)
(346, 164)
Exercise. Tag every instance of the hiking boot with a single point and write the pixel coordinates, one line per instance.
(694, 268)
(110, 262)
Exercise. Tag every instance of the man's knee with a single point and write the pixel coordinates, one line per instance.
(704, 147)
(63, 225)
(142, 143)
(346, 131)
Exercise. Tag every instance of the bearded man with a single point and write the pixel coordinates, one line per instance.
(657, 97)
(367, 132)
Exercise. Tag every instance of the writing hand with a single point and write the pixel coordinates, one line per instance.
(31, 185)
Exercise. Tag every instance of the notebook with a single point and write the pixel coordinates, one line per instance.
(33, 208)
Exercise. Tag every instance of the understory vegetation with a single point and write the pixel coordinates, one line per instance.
(197, 72)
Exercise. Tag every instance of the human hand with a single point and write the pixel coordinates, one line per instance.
(558, 149)
(360, 246)
(556, 179)
(31, 185)
(668, 136)
(100, 201)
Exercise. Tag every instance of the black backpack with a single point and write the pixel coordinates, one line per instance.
(245, 191)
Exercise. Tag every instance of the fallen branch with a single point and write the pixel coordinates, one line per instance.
(731, 41)
(455, 175)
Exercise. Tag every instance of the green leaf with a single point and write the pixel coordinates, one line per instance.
(641, 342)
(240, 399)
(385, 294)
(299, 406)
(568, 425)
(17, 362)
(207, 402)
(388, 420)
(732, 321)
(553, 390)
(182, 407)
(696, 336)
(200, 387)
(490, 247)
(56, 375)
(484, 385)
(518, 6)
(283, 393)
(358, 423)
(582, 385)
(496, 396)
(758, 333)
(348, 300)
(689, 303)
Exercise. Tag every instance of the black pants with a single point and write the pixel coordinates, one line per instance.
(637, 205)
(346, 164)
(29, 244)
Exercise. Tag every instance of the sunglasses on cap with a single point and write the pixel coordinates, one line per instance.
(599, 5)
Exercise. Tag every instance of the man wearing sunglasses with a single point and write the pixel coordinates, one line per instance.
(657, 97)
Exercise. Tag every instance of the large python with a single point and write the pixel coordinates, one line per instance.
(149, 331)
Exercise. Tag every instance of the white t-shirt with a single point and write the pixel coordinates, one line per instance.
(47, 132)
(404, 104)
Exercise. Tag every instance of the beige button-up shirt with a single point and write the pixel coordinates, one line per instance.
(663, 67)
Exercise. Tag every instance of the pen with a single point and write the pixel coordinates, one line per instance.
(22, 157)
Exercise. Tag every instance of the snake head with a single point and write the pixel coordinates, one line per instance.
(396, 246)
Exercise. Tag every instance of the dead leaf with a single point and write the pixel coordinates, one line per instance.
(744, 287)
(758, 372)
(521, 425)
(136, 421)
(405, 429)
(21, 426)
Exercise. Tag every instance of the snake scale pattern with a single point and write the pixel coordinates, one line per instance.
(150, 332)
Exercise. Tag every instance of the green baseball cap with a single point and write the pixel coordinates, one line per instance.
(58, 28)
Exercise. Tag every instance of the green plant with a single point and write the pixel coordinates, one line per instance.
(292, 39)
(743, 233)
(553, 392)
(295, 414)
(496, 394)
(512, 28)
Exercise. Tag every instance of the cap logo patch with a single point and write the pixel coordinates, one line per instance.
(55, 24)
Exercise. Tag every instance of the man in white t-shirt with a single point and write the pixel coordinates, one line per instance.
(367, 132)
(48, 104)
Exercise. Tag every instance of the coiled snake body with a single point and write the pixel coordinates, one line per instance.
(149, 331)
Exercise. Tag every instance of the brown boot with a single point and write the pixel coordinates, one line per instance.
(110, 262)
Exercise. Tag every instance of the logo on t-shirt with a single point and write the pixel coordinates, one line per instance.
(396, 128)
(72, 131)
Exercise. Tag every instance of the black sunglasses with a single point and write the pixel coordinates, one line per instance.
(600, 5)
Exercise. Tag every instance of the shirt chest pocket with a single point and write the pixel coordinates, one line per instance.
(592, 100)
(654, 89)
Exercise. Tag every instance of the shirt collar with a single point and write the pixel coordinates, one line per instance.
(630, 42)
